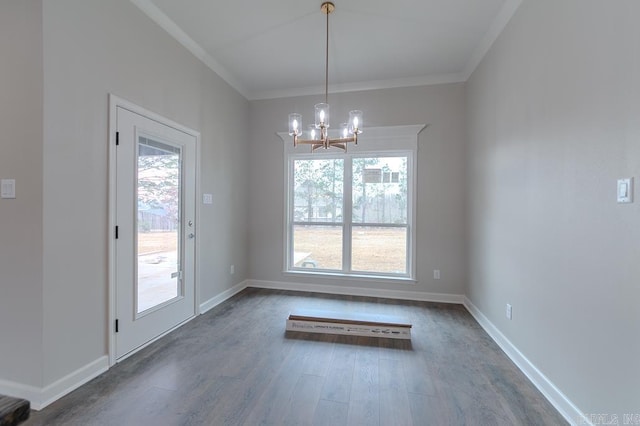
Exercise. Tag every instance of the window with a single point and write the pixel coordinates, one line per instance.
(351, 214)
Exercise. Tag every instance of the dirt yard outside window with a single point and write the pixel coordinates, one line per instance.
(374, 249)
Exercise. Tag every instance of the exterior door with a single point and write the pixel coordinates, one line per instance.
(155, 229)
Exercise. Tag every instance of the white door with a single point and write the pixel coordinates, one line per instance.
(155, 229)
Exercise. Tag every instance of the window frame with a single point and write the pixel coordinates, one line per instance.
(347, 223)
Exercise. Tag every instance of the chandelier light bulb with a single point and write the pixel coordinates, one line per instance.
(322, 115)
(295, 123)
(312, 132)
(355, 122)
(344, 130)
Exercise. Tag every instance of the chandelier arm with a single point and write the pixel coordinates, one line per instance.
(319, 145)
(343, 140)
(329, 142)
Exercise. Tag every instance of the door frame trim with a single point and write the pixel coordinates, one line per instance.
(114, 103)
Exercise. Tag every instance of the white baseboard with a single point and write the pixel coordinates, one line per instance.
(559, 400)
(227, 294)
(18, 390)
(71, 382)
(358, 291)
(41, 397)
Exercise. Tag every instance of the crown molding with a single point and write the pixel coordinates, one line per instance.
(426, 80)
(500, 22)
(509, 9)
(166, 23)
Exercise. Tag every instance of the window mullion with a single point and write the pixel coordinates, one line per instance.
(289, 213)
(347, 213)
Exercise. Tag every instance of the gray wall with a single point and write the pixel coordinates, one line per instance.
(553, 121)
(21, 218)
(524, 176)
(441, 209)
(91, 49)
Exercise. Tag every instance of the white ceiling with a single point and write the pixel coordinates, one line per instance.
(269, 49)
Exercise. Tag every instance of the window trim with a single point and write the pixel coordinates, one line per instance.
(375, 142)
(347, 223)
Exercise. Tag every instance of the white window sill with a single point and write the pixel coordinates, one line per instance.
(351, 277)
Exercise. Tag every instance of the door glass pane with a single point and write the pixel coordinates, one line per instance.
(379, 249)
(380, 190)
(158, 223)
(317, 247)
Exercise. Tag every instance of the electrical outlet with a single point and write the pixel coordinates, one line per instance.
(436, 274)
(232, 269)
(508, 311)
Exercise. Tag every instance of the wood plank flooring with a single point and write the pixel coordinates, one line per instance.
(236, 365)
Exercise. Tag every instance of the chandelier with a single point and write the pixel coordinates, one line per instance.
(318, 134)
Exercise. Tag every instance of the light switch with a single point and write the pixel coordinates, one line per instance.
(207, 198)
(625, 190)
(8, 188)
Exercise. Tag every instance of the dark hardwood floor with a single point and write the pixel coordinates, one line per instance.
(235, 365)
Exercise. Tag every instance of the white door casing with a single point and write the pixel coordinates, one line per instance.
(136, 320)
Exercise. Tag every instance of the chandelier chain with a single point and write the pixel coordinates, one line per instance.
(326, 69)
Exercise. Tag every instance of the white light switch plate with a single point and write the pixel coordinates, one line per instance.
(625, 190)
(207, 198)
(8, 188)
